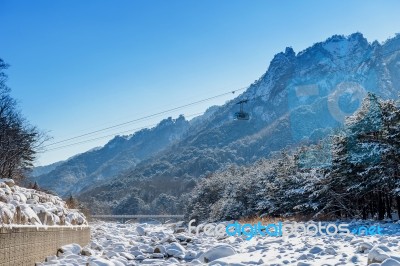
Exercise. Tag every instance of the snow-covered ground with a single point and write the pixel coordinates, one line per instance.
(170, 244)
(30, 207)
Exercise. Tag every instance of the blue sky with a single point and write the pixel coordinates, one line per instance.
(78, 66)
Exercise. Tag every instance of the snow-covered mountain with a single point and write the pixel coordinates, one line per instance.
(119, 154)
(41, 170)
(300, 99)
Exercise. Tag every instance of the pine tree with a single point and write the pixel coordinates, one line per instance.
(391, 130)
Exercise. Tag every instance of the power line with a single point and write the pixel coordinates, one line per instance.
(111, 135)
(145, 117)
(102, 137)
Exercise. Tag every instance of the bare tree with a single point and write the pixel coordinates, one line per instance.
(19, 141)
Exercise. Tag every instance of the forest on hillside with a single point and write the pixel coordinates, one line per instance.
(353, 173)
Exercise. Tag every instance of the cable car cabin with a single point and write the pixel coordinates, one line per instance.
(241, 115)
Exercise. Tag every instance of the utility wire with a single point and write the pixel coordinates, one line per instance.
(145, 117)
(111, 135)
(102, 137)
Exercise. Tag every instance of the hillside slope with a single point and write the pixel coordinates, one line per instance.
(119, 154)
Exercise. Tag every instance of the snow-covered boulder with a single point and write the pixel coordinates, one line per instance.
(377, 254)
(217, 252)
(140, 231)
(70, 249)
(390, 262)
(160, 249)
(118, 262)
(27, 215)
(362, 247)
(96, 261)
(315, 250)
(387, 262)
(8, 182)
(195, 262)
(127, 255)
(176, 250)
(110, 253)
(330, 251)
(87, 251)
(6, 213)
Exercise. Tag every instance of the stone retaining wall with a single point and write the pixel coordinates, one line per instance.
(20, 246)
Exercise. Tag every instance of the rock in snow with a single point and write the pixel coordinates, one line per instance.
(99, 262)
(175, 250)
(141, 231)
(377, 255)
(217, 252)
(70, 249)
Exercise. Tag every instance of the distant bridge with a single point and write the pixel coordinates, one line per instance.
(126, 217)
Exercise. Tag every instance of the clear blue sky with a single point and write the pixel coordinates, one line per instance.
(77, 66)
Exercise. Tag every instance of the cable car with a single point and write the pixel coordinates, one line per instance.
(241, 115)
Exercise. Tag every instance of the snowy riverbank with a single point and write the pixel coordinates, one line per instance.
(152, 244)
(21, 206)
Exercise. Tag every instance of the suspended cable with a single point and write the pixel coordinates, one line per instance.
(111, 135)
(145, 117)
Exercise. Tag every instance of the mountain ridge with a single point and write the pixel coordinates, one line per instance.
(118, 154)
